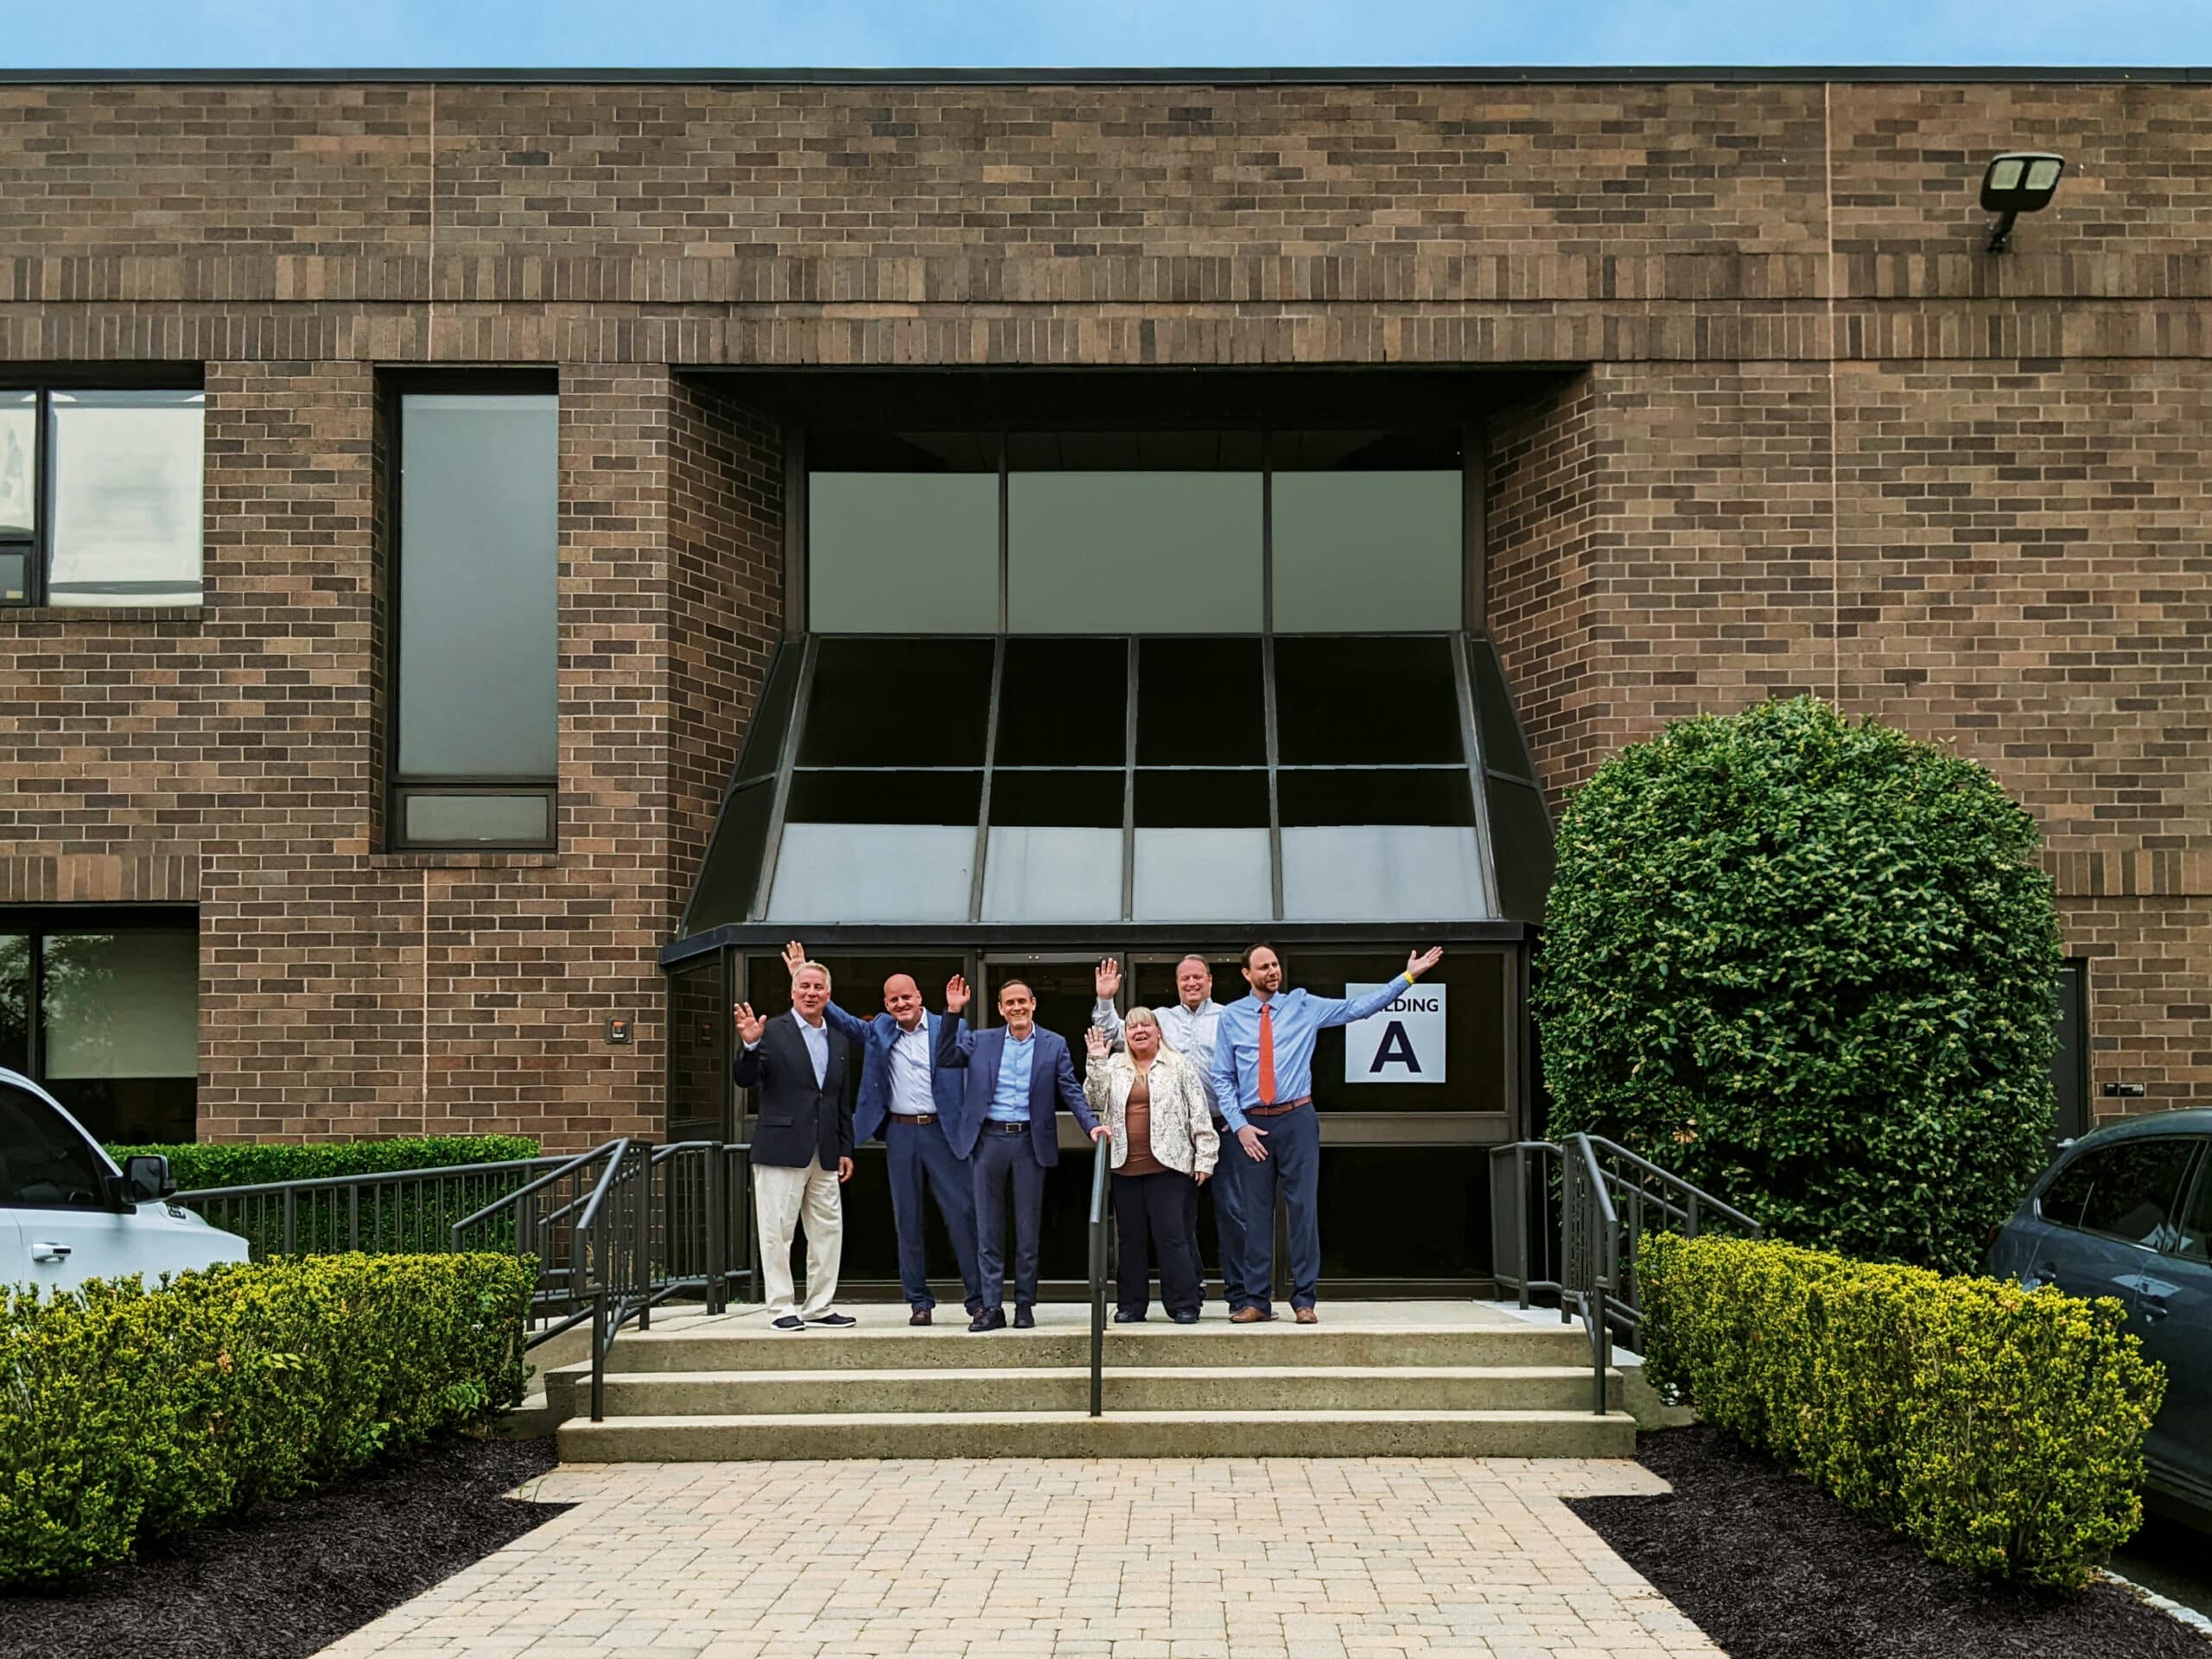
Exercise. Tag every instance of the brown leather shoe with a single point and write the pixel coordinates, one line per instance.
(1251, 1316)
(1307, 1316)
(919, 1316)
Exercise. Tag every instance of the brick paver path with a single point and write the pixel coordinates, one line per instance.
(1285, 1559)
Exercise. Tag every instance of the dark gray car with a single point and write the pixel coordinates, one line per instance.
(2127, 1212)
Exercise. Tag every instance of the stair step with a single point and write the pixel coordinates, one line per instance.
(934, 1434)
(1067, 1388)
(1281, 1345)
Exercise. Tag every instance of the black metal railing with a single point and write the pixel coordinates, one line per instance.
(614, 1231)
(1568, 1218)
(1102, 1159)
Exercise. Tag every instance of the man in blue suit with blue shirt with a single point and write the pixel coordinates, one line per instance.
(915, 1104)
(1019, 1076)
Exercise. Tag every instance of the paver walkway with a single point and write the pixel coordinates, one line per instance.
(1281, 1559)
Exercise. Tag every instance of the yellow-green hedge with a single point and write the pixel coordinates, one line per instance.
(131, 1413)
(2001, 1428)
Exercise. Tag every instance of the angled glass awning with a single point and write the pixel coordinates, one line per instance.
(1170, 778)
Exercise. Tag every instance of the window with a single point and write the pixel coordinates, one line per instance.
(2195, 1237)
(1387, 504)
(101, 496)
(2125, 1192)
(904, 533)
(103, 1011)
(477, 725)
(42, 1160)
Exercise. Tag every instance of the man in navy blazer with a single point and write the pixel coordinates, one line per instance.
(915, 1104)
(1019, 1076)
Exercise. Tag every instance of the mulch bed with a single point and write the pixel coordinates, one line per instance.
(286, 1579)
(1772, 1568)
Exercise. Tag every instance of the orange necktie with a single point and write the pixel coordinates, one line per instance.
(1266, 1055)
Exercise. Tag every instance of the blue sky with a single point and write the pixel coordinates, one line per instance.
(983, 32)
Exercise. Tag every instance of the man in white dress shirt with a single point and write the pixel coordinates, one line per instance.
(1189, 1025)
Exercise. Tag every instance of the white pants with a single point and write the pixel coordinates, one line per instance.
(779, 1197)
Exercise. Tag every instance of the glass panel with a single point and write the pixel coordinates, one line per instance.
(1063, 703)
(15, 1001)
(1201, 703)
(479, 538)
(1381, 873)
(771, 717)
(1223, 799)
(128, 501)
(2196, 1238)
(1052, 873)
(454, 820)
(894, 702)
(1358, 550)
(1404, 1213)
(2042, 174)
(1366, 701)
(122, 1005)
(1460, 1056)
(14, 575)
(2125, 1192)
(18, 462)
(872, 873)
(731, 875)
(2005, 176)
(1202, 875)
(698, 1040)
(885, 798)
(1091, 799)
(1355, 795)
(1134, 552)
(42, 1160)
(1505, 747)
(903, 552)
(1520, 844)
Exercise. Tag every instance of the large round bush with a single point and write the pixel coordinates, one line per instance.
(1811, 966)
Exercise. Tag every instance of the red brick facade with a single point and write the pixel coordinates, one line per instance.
(1805, 436)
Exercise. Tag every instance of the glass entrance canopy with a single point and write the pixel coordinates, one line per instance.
(1047, 778)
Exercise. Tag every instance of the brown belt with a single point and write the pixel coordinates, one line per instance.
(913, 1117)
(1279, 1108)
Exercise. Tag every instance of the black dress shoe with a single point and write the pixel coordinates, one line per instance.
(834, 1321)
(1191, 1318)
(919, 1316)
(1024, 1320)
(990, 1319)
(1122, 1316)
(789, 1322)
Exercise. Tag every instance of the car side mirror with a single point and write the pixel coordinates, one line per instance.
(146, 1178)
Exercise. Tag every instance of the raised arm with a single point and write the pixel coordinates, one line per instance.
(751, 1027)
(955, 1042)
(1344, 1011)
(851, 1028)
(1107, 982)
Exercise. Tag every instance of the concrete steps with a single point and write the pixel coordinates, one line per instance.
(935, 1434)
(1377, 1380)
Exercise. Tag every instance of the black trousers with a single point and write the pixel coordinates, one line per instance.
(1149, 1214)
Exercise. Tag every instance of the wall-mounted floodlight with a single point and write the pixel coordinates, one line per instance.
(2022, 182)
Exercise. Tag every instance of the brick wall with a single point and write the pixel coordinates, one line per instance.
(1821, 442)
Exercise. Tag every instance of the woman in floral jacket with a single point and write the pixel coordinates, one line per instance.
(1164, 1139)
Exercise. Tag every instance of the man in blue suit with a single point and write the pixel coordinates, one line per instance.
(1019, 1076)
(915, 1105)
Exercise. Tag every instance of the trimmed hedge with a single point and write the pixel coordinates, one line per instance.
(1812, 967)
(198, 1165)
(1999, 1429)
(133, 1413)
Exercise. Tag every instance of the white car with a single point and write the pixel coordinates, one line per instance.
(67, 1214)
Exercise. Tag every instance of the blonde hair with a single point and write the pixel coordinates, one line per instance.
(1144, 1016)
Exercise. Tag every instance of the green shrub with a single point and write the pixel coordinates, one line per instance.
(1812, 967)
(134, 1413)
(2001, 1428)
(208, 1164)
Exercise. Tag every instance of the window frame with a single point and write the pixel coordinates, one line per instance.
(2194, 1148)
(37, 547)
(104, 1198)
(394, 387)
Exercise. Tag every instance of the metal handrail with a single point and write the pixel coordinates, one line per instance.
(1102, 1159)
(1603, 1193)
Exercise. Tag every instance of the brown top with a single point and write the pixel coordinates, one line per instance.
(1140, 1160)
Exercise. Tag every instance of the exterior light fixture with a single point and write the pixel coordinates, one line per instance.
(2022, 182)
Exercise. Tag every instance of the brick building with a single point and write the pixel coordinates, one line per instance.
(411, 485)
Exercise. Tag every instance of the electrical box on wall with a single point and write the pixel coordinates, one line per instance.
(617, 1028)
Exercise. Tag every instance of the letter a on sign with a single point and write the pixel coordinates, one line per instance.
(1402, 1044)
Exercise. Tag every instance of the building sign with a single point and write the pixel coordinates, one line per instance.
(1402, 1044)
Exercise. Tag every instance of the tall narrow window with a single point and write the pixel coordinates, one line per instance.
(101, 496)
(478, 567)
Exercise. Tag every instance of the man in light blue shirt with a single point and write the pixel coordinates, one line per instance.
(1263, 1085)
